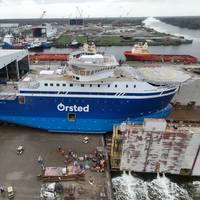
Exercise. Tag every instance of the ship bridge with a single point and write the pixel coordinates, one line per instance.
(14, 64)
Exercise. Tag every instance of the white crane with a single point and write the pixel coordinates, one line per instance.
(79, 11)
(43, 14)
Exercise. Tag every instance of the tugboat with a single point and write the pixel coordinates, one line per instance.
(140, 53)
(89, 95)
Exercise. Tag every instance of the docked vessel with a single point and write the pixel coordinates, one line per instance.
(35, 44)
(74, 44)
(82, 98)
(9, 42)
(140, 53)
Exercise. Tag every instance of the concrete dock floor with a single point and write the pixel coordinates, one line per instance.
(185, 113)
(21, 171)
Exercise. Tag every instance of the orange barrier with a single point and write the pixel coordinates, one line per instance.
(49, 57)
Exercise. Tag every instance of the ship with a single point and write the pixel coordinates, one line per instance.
(141, 53)
(74, 44)
(88, 95)
(9, 42)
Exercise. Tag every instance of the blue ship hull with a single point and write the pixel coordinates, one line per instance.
(46, 45)
(7, 46)
(99, 116)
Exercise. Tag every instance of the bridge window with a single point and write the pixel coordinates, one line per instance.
(72, 117)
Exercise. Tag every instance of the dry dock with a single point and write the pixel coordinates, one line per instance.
(21, 171)
(157, 146)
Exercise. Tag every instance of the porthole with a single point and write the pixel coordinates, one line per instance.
(71, 117)
(46, 84)
(21, 99)
(71, 85)
(126, 86)
(51, 84)
(58, 84)
(64, 85)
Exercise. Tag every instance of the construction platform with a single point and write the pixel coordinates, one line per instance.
(22, 171)
(156, 146)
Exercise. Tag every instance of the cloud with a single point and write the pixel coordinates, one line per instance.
(97, 8)
(63, 1)
(50, 1)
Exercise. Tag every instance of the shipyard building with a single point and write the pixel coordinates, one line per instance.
(14, 64)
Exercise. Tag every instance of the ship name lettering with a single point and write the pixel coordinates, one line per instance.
(74, 108)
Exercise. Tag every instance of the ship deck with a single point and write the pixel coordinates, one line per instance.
(155, 72)
(8, 91)
(52, 72)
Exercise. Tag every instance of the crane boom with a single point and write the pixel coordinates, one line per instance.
(78, 9)
(43, 14)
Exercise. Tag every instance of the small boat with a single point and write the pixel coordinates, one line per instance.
(140, 53)
(74, 44)
(35, 44)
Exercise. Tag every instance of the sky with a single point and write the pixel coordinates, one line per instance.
(97, 8)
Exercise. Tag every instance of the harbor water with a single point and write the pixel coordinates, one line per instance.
(194, 35)
(129, 187)
(193, 49)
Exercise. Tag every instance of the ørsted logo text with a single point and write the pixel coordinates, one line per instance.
(74, 108)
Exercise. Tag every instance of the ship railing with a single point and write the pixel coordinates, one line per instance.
(91, 72)
(106, 60)
(30, 85)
